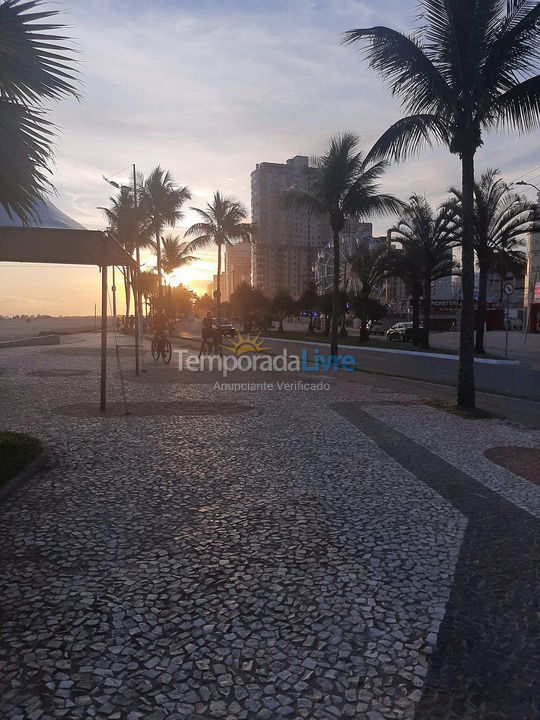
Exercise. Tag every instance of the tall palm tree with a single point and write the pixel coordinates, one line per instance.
(462, 73)
(405, 264)
(222, 223)
(428, 238)
(369, 264)
(174, 254)
(129, 227)
(35, 66)
(162, 201)
(501, 218)
(342, 185)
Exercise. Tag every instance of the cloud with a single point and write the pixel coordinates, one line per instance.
(209, 89)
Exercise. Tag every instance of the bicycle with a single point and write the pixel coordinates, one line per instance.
(161, 347)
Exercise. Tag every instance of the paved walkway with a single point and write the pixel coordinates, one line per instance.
(259, 554)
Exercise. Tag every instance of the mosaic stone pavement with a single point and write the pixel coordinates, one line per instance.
(274, 560)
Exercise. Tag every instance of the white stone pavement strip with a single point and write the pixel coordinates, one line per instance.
(270, 564)
(462, 444)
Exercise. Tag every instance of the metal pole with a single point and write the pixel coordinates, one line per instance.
(136, 290)
(103, 399)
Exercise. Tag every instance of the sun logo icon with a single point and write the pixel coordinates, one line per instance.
(246, 344)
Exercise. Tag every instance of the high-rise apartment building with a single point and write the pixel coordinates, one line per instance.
(237, 263)
(286, 241)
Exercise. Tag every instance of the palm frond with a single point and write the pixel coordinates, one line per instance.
(408, 136)
(34, 64)
(405, 66)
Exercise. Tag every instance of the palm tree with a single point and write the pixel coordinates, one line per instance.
(174, 254)
(428, 238)
(461, 73)
(342, 185)
(162, 201)
(129, 228)
(36, 66)
(222, 222)
(369, 264)
(500, 220)
(405, 263)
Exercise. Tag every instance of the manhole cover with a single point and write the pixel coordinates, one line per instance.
(521, 461)
(148, 409)
(58, 373)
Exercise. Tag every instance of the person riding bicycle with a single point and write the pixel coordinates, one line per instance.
(160, 323)
(207, 340)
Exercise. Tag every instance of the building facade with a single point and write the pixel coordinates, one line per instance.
(286, 241)
(237, 264)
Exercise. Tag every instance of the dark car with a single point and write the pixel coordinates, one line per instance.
(227, 329)
(397, 331)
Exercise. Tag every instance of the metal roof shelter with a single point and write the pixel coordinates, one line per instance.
(51, 236)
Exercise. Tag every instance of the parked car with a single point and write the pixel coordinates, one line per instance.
(397, 331)
(227, 329)
(376, 328)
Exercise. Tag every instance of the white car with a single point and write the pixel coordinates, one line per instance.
(397, 331)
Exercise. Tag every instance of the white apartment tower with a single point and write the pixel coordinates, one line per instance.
(286, 242)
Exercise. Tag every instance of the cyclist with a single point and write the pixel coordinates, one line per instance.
(160, 324)
(207, 334)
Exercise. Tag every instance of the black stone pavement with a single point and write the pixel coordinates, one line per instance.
(486, 665)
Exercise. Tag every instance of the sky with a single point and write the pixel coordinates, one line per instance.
(208, 90)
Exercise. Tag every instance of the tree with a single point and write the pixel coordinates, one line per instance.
(174, 254)
(35, 66)
(342, 185)
(205, 304)
(500, 220)
(251, 305)
(461, 73)
(148, 287)
(405, 263)
(222, 222)
(162, 201)
(369, 263)
(129, 228)
(429, 237)
(283, 305)
(181, 301)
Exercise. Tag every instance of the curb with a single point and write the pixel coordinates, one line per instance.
(31, 341)
(23, 477)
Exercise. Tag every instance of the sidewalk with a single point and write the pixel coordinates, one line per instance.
(258, 554)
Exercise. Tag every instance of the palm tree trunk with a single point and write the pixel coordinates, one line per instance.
(128, 295)
(334, 349)
(158, 254)
(465, 392)
(482, 305)
(218, 288)
(426, 312)
(415, 311)
(280, 329)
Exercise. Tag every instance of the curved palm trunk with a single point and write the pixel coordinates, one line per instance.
(128, 292)
(158, 254)
(218, 298)
(415, 301)
(334, 348)
(465, 391)
(482, 305)
(426, 312)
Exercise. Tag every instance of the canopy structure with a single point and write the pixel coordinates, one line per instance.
(51, 236)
